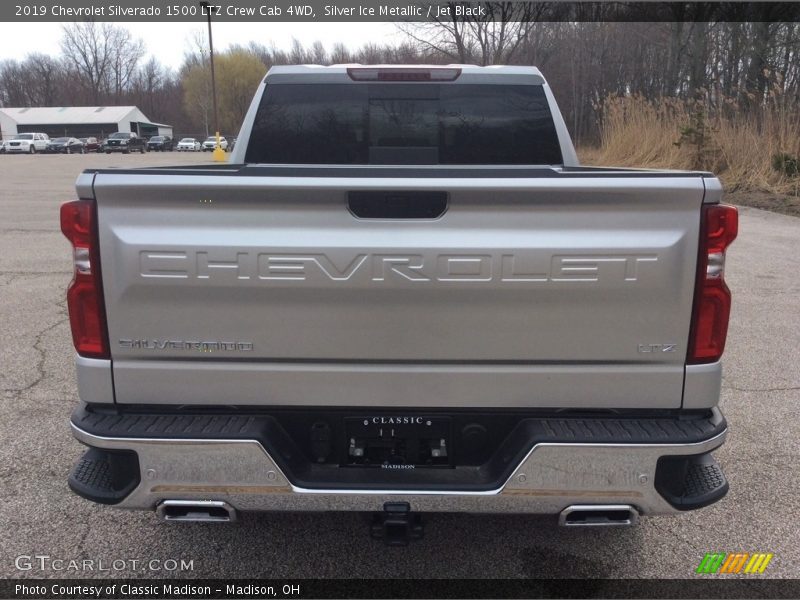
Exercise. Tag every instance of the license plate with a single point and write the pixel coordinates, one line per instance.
(398, 441)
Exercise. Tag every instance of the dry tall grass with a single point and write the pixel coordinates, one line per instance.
(739, 146)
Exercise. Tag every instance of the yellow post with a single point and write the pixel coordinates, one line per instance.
(219, 154)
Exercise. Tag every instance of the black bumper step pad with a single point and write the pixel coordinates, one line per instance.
(105, 476)
(690, 482)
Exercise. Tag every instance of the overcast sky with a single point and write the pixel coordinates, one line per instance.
(168, 41)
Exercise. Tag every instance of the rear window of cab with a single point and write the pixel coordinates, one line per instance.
(404, 123)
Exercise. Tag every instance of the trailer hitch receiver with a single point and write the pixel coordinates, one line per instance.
(397, 525)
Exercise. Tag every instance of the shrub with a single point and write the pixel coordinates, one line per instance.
(786, 163)
(755, 149)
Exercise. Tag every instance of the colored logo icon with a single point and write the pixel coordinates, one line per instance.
(734, 562)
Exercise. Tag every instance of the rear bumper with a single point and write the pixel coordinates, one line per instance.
(168, 457)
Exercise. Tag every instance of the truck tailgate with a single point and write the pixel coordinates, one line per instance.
(566, 291)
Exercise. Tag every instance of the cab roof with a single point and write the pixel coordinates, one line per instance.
(507, 74)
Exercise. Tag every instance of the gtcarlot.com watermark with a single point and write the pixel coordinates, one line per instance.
(47, 563)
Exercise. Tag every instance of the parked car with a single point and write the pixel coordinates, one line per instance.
(442, 311)
(30, 143)
(90, 144)
(124, 142)
(189, 145)
(211, 142)
(160, 143)
(65, 145)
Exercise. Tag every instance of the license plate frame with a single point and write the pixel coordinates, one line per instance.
(398, 441)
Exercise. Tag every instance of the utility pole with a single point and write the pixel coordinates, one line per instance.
(219, 153)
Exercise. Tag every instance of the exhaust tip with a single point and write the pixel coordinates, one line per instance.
(197, 511)
(598, 515)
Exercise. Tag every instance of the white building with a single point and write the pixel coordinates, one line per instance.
(78, 121)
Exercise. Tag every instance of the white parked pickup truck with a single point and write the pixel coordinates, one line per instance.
(403, 294)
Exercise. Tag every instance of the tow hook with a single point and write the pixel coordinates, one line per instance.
(397, 525)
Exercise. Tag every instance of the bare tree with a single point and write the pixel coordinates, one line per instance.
(298, 55)
(86, 47)
(126, 52)
(13, 90)
(447, 38)
(491, 33)
(46, 75)
(319, 56)
(104, 56)
(149, 80)
(36, 81)
(340, 54)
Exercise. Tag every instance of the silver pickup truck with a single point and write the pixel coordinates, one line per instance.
(402, 294)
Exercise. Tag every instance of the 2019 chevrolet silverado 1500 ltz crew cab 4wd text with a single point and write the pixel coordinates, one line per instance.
(402, 293)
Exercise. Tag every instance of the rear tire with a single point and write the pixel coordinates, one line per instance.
(32, 149)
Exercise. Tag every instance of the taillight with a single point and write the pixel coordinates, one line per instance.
(394, 74)
(712, 301)
(87, 315)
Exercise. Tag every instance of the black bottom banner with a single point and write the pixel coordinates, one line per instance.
(200, 589)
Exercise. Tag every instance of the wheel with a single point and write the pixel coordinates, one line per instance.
(108, 151)
(69, 150)
(32, 149)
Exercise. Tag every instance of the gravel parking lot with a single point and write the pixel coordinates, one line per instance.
(39, 515)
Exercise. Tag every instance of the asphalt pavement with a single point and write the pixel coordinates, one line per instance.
(40, 516)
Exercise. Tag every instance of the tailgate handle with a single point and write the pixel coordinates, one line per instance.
(385, 204)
